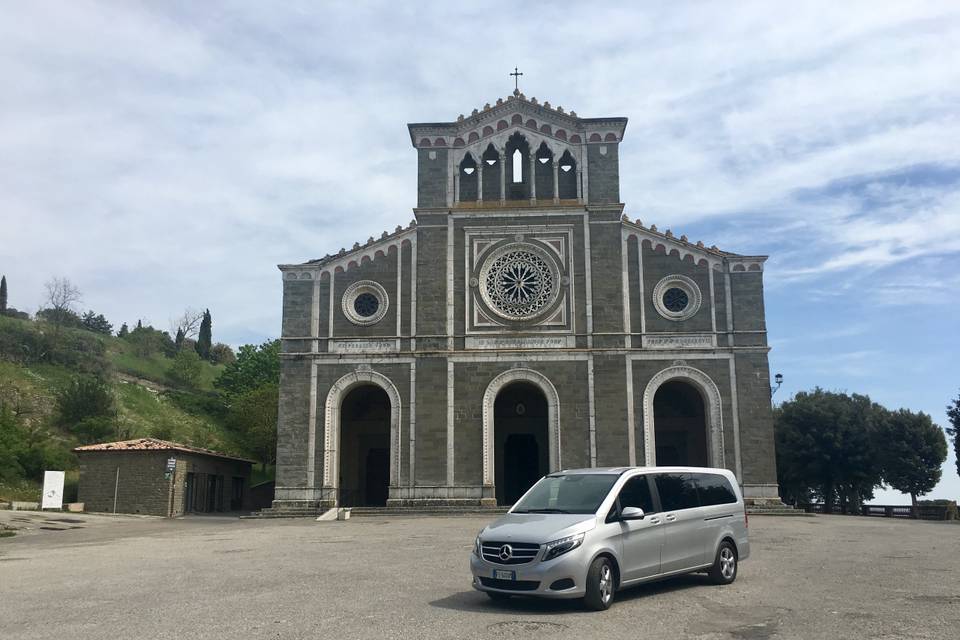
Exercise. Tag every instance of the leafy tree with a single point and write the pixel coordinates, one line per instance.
(953, 414)
(222, 354)
(60, 318)
(62, 297)
(3, 294)
(254, 415)
(147, 341)
(96, 323)
(255, 366)
(185, 369)
(205, 336)
(913, 449)
(827, 446)
(124, 331)
(85, 397)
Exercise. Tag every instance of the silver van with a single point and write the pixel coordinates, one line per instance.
(586, 533)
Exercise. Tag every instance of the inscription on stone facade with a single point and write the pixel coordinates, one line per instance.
(508, 342)
(678, 342)
(364, 346)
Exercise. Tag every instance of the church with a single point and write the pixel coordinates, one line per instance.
(520, 324)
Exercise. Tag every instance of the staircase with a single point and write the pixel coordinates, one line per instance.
(771, 508)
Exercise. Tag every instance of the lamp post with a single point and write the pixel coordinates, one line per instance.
(779, 380)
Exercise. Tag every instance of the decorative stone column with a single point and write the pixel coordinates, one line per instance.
(480, 180)
(556, 180)
(533, 178)
(503, 181)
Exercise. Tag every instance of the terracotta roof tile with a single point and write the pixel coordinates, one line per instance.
(155, 444)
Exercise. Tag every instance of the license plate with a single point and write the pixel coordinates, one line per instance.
(500, 574)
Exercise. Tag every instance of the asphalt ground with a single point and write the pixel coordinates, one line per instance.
(830, 577)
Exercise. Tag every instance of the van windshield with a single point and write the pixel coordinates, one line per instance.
(572, 493)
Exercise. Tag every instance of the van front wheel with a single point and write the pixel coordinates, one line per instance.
(724, 569)
(601, 583)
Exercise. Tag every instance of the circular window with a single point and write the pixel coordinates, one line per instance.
(676, 297)
(519, 281)
(364, 302)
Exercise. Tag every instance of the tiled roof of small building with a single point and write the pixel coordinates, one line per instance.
(155, 444)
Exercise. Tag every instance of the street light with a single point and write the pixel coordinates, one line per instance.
(779, 380)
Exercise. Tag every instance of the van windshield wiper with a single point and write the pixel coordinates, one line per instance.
(543, 511)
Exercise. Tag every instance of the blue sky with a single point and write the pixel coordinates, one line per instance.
(170, 156)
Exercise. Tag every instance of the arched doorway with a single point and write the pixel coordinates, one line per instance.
(521, 443)
(680, 425)
(364, 466)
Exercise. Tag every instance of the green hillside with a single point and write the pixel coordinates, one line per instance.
(38, 363)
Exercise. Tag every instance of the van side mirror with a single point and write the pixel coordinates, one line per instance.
(631, 513)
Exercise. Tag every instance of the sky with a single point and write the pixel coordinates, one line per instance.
(170, 155)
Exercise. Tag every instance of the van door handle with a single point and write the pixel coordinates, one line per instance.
(654, 520)
(670, 518)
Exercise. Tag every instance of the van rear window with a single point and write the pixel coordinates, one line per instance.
(714, 489)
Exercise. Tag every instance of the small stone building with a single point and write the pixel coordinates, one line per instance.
(160, 478)
(523, 323)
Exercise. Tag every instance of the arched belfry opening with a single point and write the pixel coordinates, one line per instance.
(680, 425)
(468, 179)
(364, 467)
(567, 177)
(517, 153)
(521, 444)
(491, 174)
(543, 169)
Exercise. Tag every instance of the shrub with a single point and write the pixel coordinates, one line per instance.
(222, 354)
(185, 369)
(85, 397)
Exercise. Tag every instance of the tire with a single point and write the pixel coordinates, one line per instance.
(601, 585)
(497, 596)
(724, 569)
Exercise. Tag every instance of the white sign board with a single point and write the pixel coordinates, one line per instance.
(52, 490)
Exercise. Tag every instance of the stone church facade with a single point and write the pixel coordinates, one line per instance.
(520, 324)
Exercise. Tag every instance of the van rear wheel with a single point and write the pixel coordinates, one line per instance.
(724, 569)
(601, 584)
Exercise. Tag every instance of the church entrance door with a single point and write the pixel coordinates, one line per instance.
(364, 447)
(521, 449)
(680, 425)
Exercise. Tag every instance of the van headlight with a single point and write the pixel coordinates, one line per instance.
(561, 546)
(476, 547)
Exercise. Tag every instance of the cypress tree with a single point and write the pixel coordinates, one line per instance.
(139, 324)
(3, 294)
(124, 332)
(179, 339)
(205, 337)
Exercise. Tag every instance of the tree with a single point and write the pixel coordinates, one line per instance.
(124, 331)
(187, 324)
(827, 446)
(222, 354)
(62, 297)
(147, 341)
(953, 414)
(185, 369)
(253, 414)
(205, 336)
(913, 450)
(84, 398)
(255, 366)
(3, 294)
(179, 339)
(139, 324)
(96, 323)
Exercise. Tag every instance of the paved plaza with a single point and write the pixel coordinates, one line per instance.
(82, 576)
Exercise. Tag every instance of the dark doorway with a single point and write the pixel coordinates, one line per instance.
(680, 426)
(364, 448)
(521, 450)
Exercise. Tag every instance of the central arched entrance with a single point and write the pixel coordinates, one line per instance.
(364, 466)
(680, 425)
(521, 442)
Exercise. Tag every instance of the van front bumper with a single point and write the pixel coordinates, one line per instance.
(535, 578)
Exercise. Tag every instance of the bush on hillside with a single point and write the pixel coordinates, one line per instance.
(85, 397)
(147, 341)
(95, 429)
(222, 354)
(185, 369)
(31, 343)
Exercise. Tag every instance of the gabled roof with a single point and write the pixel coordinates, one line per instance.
(517, 110)
(155, 444)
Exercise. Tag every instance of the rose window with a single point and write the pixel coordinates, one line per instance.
(519, 282)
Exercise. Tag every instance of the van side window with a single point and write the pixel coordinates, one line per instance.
(677, 491)
(636, 493)
(714, 489)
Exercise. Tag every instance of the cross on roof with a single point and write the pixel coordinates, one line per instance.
(516, 78)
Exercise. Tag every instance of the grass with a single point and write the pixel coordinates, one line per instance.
(154, 366)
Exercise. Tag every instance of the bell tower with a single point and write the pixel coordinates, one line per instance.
(518, 152)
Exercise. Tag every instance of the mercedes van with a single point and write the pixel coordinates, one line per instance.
(587, 533)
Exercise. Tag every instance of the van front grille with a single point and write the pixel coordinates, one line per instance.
(509, 552)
